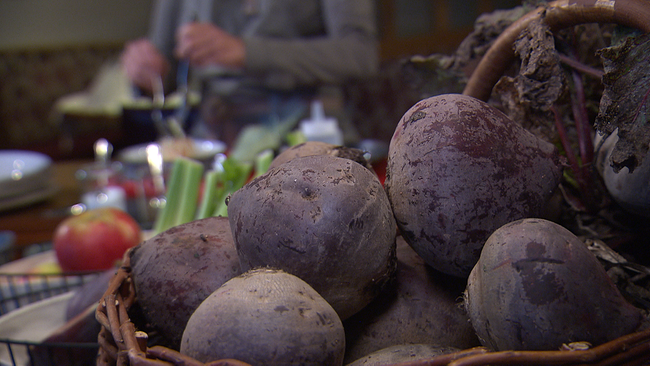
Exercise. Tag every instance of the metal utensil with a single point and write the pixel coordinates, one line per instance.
(182, 86)
(157, 105)
(177, 121)
(165, 126)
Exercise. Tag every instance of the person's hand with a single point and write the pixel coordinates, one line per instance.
(143, 63)
(204, 44)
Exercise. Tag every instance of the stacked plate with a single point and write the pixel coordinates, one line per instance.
(24, 178)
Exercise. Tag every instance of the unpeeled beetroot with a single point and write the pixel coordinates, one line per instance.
(311, 148)
(174, 271)
(265, 317)
(457, 170)
(324, 219)
(537, 286)
(402, 353)
(422, 306)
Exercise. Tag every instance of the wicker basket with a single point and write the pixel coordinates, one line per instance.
(121, 344)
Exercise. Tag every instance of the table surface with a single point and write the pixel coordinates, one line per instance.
(36, 223)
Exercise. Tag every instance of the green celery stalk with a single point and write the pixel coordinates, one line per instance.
(189, 192)
(165, 217)
(244, 170)
(221, 208)
(210, 191)
(263, 161)
(236, 174)
(295, 137)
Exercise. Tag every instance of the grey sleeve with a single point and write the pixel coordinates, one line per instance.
(164, 21)
(350, 49)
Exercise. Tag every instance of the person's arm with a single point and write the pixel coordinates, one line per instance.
(349, 51)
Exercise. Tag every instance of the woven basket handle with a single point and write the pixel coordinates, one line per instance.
(556, 15)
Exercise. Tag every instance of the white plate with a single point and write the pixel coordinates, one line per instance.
(22, 172)
(33, 323)
(203, 150)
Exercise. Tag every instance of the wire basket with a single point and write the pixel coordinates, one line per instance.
(18, 290)
(22, 295)
(49, 354)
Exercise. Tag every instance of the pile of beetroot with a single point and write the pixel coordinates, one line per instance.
(320, 263)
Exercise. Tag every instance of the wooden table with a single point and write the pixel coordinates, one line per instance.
(36, 223)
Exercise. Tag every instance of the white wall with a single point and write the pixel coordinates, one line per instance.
(26, 24)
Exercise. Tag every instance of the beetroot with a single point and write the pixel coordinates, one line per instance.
(537, 286)
(422, 306)
(174, 271)
(324, 219)
(457, 170)
(265, 317)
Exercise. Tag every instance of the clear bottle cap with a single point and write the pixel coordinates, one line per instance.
(321, 128)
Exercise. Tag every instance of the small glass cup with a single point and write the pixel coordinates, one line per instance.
(101, 186)
(141, 194)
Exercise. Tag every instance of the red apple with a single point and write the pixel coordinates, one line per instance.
(95, 240)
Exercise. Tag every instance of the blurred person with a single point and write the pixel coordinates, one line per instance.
(259, 61)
